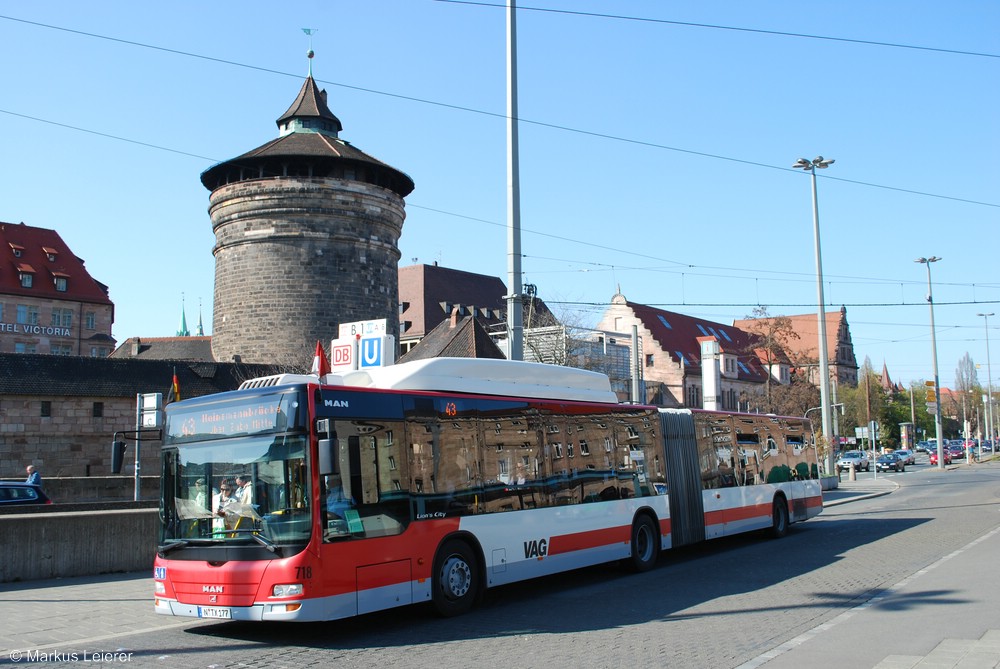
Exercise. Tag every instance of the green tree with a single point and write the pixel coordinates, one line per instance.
(771, 336)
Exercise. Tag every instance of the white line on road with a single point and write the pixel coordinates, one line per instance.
(882, 594)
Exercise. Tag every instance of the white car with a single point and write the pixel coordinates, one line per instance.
(857, 458)
(906, 455)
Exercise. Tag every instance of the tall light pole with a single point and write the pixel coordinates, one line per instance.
(990, 419)
(824, 360)
(515, 314)
(937, 381)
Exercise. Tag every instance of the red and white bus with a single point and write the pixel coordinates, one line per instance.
(431, 481)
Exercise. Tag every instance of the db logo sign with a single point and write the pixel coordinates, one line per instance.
(341, 355)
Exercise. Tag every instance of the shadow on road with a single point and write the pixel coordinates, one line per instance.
(605, 596)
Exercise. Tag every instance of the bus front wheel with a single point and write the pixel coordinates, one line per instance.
(456, 579)
(645, 544)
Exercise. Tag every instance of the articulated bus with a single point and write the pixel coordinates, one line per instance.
(430, 481)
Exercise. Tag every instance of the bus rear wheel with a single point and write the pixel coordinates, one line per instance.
(779, 518)
(645, 544)
(456, 579)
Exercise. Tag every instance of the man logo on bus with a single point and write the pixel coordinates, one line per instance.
(536, 548)
(211, 588)
(340, 404)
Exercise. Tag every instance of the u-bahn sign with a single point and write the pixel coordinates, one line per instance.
(361, 345)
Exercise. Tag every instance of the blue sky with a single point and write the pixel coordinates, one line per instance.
(655, 154)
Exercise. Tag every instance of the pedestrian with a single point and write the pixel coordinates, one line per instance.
(34, 478)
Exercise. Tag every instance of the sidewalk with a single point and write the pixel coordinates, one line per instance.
(890, 631)
(851, 491)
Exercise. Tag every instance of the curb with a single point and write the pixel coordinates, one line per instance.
(880, 493)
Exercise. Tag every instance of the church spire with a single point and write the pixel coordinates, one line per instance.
(201, 329)
(183, 331)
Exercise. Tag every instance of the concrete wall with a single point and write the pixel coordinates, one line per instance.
(72, 489)
(49, 545)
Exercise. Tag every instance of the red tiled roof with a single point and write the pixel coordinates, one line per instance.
(806, 347)
(678, 334)
(35, 245)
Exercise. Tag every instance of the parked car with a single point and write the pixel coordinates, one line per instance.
(987, 446)
(934, 457)
(906, 455)
(12, 493)
(888, 461)
(857, 458)
(956, 450)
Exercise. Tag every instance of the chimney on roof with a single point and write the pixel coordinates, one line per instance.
(136, 346)
(454, 317)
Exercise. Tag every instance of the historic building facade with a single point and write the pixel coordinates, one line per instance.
(677, 371)
(803, 350)
(307, 229)
(49, 303)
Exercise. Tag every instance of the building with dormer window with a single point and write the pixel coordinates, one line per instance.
(49, 303)
(693, 362)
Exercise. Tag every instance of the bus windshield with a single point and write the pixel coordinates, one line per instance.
(233, 474)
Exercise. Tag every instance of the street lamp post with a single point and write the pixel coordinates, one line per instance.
(937, 382)
(990, 419)
(824, 360)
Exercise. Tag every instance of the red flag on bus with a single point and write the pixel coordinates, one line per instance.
(321, 366)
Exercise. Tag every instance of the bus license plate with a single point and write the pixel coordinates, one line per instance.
(214, 612)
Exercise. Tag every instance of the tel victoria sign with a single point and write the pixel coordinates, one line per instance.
(27, 328)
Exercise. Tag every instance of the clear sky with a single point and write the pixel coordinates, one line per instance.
(656, 144)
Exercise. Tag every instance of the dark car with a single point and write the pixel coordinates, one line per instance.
(956, 450)
(890, 461)
(21, 493)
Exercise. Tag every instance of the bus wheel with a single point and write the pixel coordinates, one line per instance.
(456, 579)
(645, 544)
(779, 518)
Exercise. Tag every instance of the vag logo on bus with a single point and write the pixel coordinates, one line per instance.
(211, 588)
(536, 548)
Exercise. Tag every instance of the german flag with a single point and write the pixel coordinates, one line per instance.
(175, 390)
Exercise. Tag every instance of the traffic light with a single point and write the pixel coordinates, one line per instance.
(117, 456)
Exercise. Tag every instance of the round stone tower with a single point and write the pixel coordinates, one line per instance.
(306, 237)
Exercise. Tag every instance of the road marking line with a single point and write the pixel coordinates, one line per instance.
(88, 640)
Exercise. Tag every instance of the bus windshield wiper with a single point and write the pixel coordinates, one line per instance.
(263, 541)
(166, 548)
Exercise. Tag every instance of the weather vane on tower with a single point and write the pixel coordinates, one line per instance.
(310, 53)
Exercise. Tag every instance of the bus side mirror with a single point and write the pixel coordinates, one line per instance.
(117, 456)
(329, 457)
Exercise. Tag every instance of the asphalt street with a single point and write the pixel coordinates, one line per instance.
(40, 619)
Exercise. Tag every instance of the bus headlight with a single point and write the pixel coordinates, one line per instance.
(287, 590)
(159, 588)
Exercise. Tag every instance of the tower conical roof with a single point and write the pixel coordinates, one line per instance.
(310, 103)
(308, 144)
